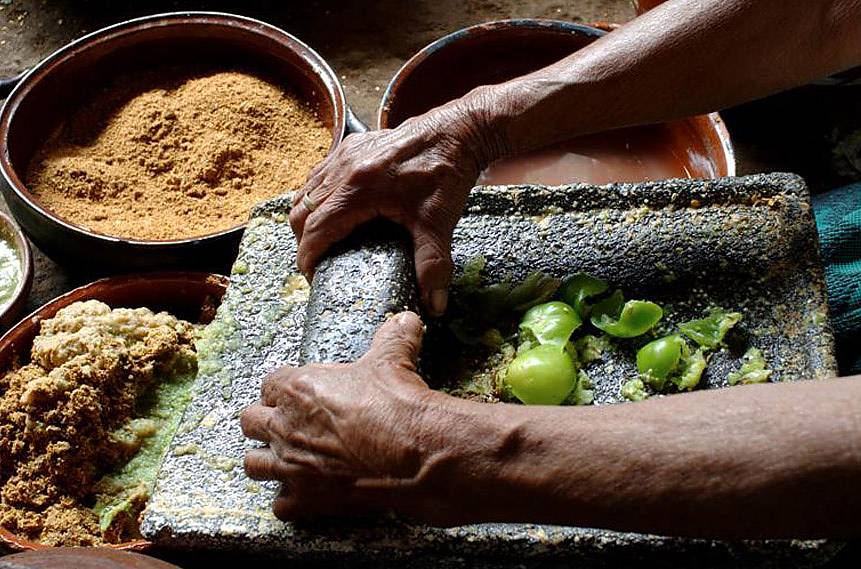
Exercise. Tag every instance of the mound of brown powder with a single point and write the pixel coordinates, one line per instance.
(172, 155)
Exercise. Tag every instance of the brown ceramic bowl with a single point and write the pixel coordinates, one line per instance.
(495, 52)
(643, 6)
(10, 231)
(191, 296)
(57, 85)
(81, 558)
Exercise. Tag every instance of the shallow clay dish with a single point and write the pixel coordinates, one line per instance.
(33, 110)
(191, 296)
(10, 231)
(81, 558)
(494, 52)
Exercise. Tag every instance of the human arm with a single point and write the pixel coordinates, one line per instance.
(683, 57)
(750, 461)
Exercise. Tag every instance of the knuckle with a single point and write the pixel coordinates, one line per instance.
(250, 463)
(365, 169)
(283, 452)
(295, 216)
(441, 169)
(315, 222)
(271, 386)
(270, 424)
(245, 421)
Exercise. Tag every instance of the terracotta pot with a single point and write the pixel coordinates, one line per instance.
(191, 296)
(643, 6)
(10, 231)
(81, 558)
(494, 52)
(46, 94)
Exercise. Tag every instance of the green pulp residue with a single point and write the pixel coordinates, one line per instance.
(10, 272)
(753, 369)
(634, 390)
(121, 494)
(217, 338)
(709, 332)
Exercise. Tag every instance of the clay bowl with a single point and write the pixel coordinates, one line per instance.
(57, 85)
(81, 558)
(191, 296)
(495, 52)
(643, 6)
(10, 231)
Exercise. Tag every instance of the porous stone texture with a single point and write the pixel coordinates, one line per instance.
(367, 278)
(741, 243)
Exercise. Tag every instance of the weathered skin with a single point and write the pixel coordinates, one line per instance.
(787, 455)
(682, 58)
(371, 435)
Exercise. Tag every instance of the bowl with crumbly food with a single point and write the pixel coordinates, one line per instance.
(171, 127)
(92, 388)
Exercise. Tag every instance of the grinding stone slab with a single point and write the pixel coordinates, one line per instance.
(742, 243)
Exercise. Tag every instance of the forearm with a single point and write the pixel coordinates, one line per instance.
(754, 461)
(682, 58)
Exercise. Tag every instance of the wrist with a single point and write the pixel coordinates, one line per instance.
(466, 446)
(487, 113)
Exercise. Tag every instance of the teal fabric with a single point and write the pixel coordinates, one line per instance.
(838, 218)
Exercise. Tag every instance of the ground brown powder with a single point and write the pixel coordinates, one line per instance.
(173, 154)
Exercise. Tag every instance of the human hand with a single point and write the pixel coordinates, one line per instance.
(343, 438)
(418, 175)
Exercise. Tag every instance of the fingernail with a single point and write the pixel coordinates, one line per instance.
(438, 301)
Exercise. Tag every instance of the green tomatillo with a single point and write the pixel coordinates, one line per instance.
(625, 319)
(669, 358)
(577, 288)
(544, 375)
(549, 323)
(657, 359)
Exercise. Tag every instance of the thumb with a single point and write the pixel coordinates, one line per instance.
(433, 267)
(398, 340)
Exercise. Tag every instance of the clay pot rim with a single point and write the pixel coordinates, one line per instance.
(595, 30)
(25, 259)
(47, 310)
(109, 33)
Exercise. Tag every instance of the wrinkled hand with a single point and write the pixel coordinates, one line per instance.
(417, 175)
(342, 438)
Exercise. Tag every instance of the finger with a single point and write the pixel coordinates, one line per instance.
(262, 464)
(298, 215)
(256, 422)
(309, 499)
(433, 267)
(328, 224)
(270, 391)
(398, 340)
(318, 192)
(315, 176)
(286, 507)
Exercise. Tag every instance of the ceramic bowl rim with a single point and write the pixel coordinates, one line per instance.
(484, 28)
(109, 33)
